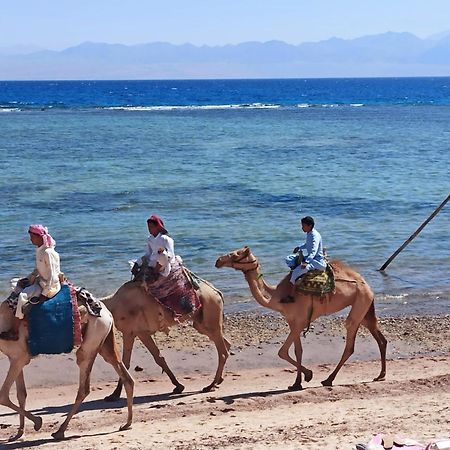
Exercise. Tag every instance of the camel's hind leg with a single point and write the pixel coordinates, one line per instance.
(149, 342)
(222, 347)
(85, 361)
(110, 354)
(352, 324)
(209, 322)
(371, 323)
(15, 373)
(128, 344)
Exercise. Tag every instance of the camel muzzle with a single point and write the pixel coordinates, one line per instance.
(219, 263)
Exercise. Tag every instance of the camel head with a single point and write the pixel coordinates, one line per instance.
(241, 259)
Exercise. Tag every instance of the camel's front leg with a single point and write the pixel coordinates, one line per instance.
(148, 341)
(21, 391)
(15, 373)
(85, 363)
(283, 353)
(297, 386)
(128, 344)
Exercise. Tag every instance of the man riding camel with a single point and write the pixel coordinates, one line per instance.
(40, 284)
(160, 255)
(314, 258)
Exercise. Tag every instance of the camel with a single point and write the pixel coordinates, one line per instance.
(98, 338)
(351, 290)
(138, 314)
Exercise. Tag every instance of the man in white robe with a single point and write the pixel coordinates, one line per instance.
(160, 254)
(41, 284)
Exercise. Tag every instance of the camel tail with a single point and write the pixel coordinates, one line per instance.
(111, 342)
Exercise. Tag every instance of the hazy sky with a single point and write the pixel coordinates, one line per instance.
(56, 24)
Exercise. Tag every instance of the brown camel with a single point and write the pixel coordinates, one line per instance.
(98, 338)
(137, 314)
(351, 290)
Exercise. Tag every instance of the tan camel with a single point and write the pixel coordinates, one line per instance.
(137, 314)
(351, 290)
(98, 338)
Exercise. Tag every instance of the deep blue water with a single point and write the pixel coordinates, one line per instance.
(230, 163)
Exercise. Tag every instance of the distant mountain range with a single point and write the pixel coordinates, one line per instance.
(387, 54)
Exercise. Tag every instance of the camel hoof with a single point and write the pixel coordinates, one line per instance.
(112, 398)
(327, 382)
(295, 387)
(210, 388)
(125, 427)
(18, 435)
(178, 389)
(38, 423)
(58, 435)
(380, 378)
(308, 375)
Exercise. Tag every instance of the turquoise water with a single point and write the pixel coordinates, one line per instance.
(223, 177)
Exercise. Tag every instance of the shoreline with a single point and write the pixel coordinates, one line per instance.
(255, 340)
(252, 409)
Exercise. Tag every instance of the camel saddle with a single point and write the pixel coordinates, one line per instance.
(52, 325)
(176, 292)
(316, 282)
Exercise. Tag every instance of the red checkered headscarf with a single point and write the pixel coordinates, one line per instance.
(40, 230)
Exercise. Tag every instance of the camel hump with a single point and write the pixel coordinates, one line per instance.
(343, 270)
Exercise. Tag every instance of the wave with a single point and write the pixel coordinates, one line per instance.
(32, 107)
(192, 107)
(6, 110)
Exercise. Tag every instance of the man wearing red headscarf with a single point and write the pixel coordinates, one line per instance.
(160, 254)
(41, 284)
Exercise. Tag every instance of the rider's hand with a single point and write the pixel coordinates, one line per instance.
(135, 269)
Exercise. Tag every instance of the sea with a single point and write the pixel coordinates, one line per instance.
(228, 163)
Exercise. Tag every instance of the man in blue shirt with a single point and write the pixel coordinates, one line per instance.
(313, 255)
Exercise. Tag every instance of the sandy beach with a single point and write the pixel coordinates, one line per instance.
(252, 409)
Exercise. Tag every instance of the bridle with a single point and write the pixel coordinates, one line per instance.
(244, 263)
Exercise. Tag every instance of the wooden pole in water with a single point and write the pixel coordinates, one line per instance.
(414, 234)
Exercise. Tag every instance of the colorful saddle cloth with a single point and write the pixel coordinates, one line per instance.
(53, 326)
(176, 291)
(316, 282)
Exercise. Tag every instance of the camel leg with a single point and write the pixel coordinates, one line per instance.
(149, 342)
(85, 363)
(352, 328)
(21, 397)
(222, 347)
(110, 354)
(128, 344)
(14, 373)
(283, 353)
(371, 323)
(297, 386)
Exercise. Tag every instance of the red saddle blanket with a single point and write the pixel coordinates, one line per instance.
(175, 292)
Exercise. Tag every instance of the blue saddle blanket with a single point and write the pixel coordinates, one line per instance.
(50, 325)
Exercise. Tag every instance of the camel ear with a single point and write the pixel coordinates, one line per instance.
(246, 250)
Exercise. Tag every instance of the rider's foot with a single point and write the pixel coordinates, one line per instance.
(9, 335)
